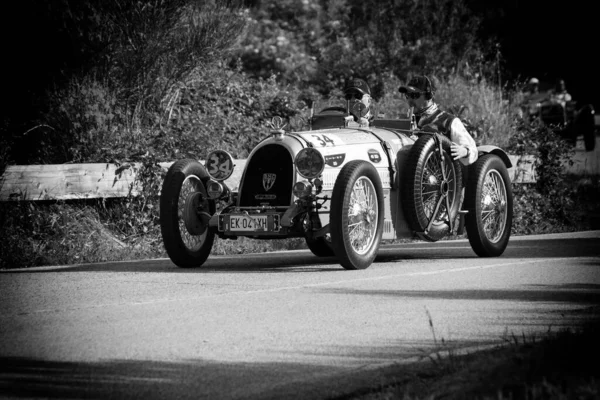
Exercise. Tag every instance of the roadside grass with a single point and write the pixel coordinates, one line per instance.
(556, 365)
(123, 229)
(243, 245)
(41, 233)
(61, 233)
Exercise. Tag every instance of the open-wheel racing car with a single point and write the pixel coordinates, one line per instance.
(570, 119)
(342, 186)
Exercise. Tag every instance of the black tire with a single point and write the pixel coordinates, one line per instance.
(589, 139)
(423, 185)
(334, 108)
(320, 247)
(489, 202)
(585, 125)
(357, 201)
(186, 235)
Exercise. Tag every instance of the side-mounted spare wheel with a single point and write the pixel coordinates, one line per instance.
(356, 217)
(431, 190)
(185, 211)
(489, 202)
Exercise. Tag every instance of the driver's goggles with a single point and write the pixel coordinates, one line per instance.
(414, 95)
(354, 95)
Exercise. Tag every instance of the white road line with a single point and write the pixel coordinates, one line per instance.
(309, 285)
(429, 248)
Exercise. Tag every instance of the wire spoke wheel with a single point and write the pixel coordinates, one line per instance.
(356, 221)
(434, 186)
(185, 212)
(489, 203)
(493, 205)
(362, 215)
(190, 186)
(431, 189)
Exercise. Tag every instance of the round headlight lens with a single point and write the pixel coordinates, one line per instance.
(219, 165)
(302, 189)
(214, 189)
(310, 163)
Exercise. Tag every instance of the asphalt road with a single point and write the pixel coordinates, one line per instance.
(279, 325)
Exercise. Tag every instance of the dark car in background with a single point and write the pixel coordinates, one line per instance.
(571, 119)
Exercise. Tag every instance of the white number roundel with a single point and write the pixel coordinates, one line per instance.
(219, 164)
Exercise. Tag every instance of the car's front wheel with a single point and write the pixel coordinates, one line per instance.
(356, 218)
(489, 203)
(185, 210)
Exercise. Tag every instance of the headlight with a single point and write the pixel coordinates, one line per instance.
(214, 189)
(310, 163)
(302, 189)
(219, 165)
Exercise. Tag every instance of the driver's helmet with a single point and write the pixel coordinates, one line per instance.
(534, 81)
(356, 89)
(355, 92)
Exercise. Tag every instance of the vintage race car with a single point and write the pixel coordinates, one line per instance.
(344, 187)
(570, 120)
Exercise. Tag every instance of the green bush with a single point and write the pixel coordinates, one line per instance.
(222, 108)
(551, 203)
(37, 234)
(323, 43)
(162, 83)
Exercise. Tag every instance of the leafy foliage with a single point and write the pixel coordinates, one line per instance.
(59, 234)
(160, 80)
(132, 55)
(326, 42)
(550, 203)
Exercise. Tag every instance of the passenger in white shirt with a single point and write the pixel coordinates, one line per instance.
(420, 96)
(560, 94)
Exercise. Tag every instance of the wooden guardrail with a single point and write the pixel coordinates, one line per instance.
(78, 181)
(89, 181)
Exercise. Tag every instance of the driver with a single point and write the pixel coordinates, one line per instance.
(420, 96)
(560, 94)
(533, 87)
(358, 94)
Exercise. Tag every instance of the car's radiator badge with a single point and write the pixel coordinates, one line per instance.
(269, 180)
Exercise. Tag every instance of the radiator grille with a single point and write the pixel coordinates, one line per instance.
(268, 179)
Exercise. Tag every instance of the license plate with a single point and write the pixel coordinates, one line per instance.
(247, 223)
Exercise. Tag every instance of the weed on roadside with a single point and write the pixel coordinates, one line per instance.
(556, 365)
(443, 354)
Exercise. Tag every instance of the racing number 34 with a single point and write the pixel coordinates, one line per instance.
(219, 167)
(324, 140)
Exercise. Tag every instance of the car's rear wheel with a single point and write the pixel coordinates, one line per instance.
(585, 125)
(356, 217)
(185, 210)
(431, 190)
(489, 203)
(321, 246)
